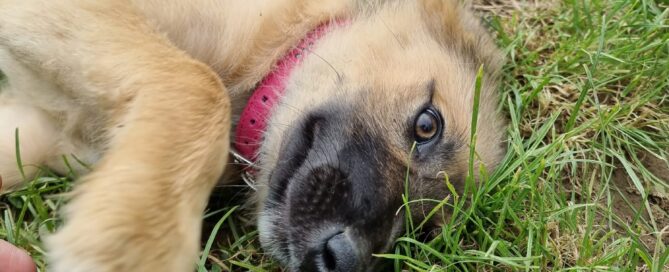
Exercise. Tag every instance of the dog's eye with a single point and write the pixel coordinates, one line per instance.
(428, 125)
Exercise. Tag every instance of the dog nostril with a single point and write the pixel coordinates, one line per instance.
(338, 254)
(331, 253)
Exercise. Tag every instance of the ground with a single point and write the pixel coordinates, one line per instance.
(585, 183)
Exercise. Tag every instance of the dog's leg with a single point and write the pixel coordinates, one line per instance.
(166, 126)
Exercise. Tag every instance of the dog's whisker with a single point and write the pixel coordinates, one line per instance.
(339, 76)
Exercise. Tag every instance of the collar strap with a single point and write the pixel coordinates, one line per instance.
(253, 120)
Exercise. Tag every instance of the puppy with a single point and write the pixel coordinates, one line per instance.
(333, 101)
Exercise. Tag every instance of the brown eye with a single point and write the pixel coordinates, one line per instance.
(427, 126)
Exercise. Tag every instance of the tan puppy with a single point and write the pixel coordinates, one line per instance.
(147, 91)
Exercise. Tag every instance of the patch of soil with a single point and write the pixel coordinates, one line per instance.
(657, 197)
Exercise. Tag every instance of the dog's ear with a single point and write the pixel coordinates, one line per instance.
(444, 16)
(455, 26)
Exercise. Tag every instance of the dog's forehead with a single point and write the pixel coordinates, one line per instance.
(397, 97)
(392, 72)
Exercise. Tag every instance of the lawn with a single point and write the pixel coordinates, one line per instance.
(584, 185)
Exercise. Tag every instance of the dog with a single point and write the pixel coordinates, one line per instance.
(338, 104)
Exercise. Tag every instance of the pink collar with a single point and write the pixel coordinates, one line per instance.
(253, 120)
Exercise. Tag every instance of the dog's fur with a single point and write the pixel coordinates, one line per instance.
(148, 90)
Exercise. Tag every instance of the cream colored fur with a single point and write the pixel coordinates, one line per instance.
(147, 90)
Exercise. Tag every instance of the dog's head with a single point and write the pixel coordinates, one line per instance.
(338, 152)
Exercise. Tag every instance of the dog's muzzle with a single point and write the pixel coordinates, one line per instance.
(339, 209)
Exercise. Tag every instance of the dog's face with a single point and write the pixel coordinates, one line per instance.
(338, 151)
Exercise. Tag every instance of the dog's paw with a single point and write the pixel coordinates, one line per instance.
(64, 259)
(106, 236)
(78, 248)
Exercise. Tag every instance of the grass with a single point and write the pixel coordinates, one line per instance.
(584, 185)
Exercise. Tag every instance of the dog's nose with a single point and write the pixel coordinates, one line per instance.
(335, 253)
(339, 254)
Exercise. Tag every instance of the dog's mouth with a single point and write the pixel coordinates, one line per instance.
(329, 208)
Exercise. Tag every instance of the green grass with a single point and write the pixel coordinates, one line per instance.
(584, 185)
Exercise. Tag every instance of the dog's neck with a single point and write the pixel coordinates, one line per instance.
(253, 119)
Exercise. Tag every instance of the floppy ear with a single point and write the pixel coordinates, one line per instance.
(455, 26)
